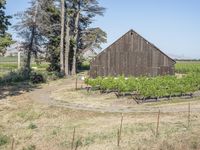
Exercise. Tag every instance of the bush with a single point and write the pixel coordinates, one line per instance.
(3, 139)
(32, 126)
(23, 75)
(37, 78)
(13, 76)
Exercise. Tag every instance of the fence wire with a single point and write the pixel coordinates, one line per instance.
(10, 63)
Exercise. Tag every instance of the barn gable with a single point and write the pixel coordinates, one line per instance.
(131, 55)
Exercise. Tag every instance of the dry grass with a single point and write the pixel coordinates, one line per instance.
(54, 128)
(43, 127)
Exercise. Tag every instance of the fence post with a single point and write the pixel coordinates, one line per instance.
(13, 142)
(73, 138)
(19, 60)
(158, 122)
(119, 134)
(188, 115)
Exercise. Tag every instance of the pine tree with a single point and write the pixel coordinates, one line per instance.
(84, 12)
(29, 28)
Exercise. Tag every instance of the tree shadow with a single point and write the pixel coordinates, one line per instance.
(15, 89)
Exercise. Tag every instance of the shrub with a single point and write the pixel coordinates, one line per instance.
(32, 126)
(3, 139)
(13, 76)
(37, 78)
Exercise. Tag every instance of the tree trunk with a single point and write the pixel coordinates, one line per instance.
(27, 65)
(30, 49)
(75, 48)
(62, 66)
(28, 61)
(67, 46)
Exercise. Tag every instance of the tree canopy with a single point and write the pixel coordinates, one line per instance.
(60, 30)
(5, 38)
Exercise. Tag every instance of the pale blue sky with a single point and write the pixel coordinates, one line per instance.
(172, 25)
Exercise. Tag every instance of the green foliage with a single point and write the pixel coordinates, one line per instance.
(83, 64)
(5, 41)
(93, 38)
(164, 86)
(53, 36)
(187, 67)
(3, 139)
(4, 23)
(5, 38)
(21, 76)
(13, 76)
(32, 126)
(37, 78)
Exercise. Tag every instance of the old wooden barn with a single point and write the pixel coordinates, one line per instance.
(131, 55)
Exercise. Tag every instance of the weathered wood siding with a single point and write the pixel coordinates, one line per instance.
(131, 55)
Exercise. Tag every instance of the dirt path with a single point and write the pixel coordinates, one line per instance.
(66, 87)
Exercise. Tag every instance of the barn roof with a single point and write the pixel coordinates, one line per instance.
(140, 37)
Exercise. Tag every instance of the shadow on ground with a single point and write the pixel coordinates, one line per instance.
(16, 89)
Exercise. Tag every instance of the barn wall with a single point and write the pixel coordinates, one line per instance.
(131, 55)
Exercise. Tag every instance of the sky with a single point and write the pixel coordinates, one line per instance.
(171, 25)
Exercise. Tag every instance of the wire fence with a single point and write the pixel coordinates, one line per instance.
(14, 63)
(10, 63)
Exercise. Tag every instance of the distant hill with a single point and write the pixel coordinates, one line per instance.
(179, 57)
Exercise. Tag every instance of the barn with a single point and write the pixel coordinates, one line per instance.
(131, 55)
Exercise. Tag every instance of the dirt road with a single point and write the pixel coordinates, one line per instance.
(62, 94)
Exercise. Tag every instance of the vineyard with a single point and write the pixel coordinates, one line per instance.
(187, 67)
(153, 87)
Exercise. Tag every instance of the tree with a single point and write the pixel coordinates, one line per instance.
(51, 31)
(5, 38)
(29, 29)
(92, 38)
(62, 64)
(4, 20)
(58, 28)
(5, 41)
(84, 12)
(67, 42)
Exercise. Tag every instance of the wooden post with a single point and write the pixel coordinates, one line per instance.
(188, 115)
(78, 143)
(121, 125)
(158, 122)
(19, 60)
(73, 138)
(120, 131)
(13, 142)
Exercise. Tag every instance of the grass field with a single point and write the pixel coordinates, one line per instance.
(36, 125)
(8, 64)
(187, 66)
(43, 117)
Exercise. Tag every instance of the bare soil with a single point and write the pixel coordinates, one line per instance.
(62, 93)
